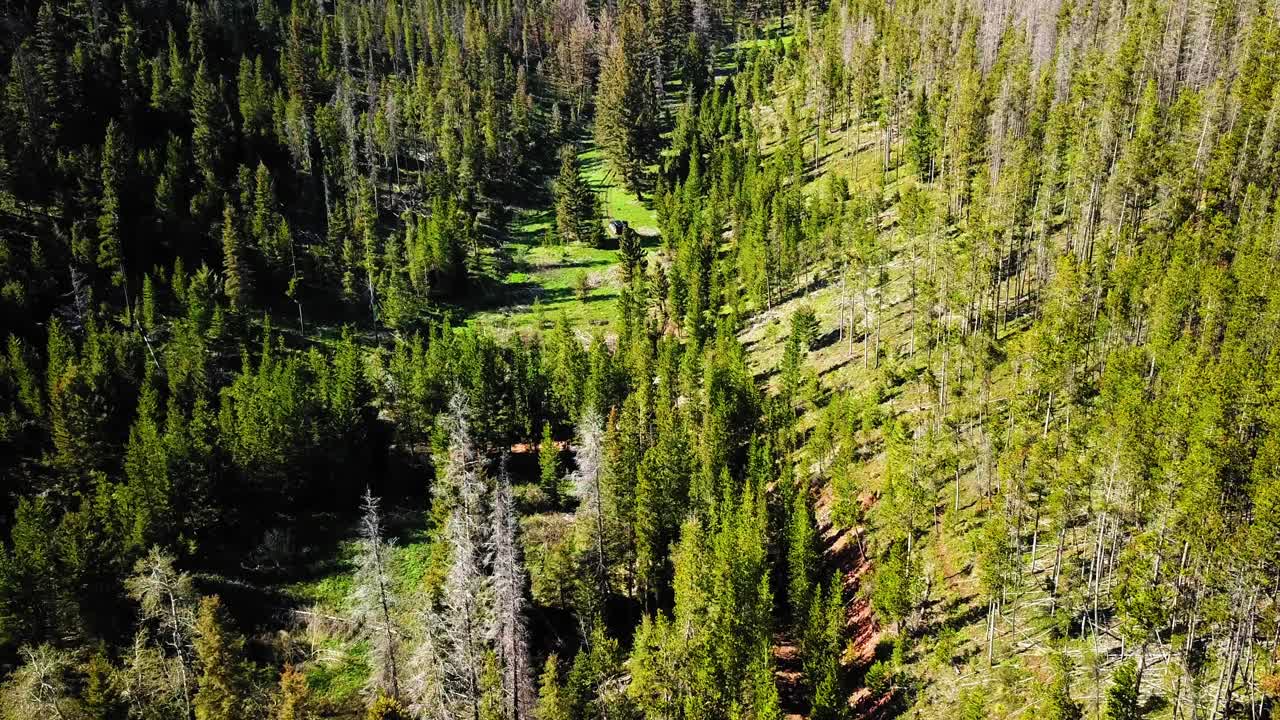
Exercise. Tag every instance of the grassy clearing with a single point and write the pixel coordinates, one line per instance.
(339, 665)
(541, 283)
(616, 201)
(547, 282)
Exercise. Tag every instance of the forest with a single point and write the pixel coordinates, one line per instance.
(639, 359)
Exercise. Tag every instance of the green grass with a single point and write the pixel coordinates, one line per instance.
(616, 201)
(339, 668)
(338, 677)
(543, 285)
(540, 283)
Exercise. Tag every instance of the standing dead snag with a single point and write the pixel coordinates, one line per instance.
(587, 486)
(480, 616)
(39, 687)
(449, 659)
(509, 581)
(373, 599)
(167, 598)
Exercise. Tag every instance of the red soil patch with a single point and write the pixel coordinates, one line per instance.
(844, 552)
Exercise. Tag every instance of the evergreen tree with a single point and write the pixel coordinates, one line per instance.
(551, 702)
(921, 143)
(220, 693)
(631, 255)
(625, 126)
(801, 557)
(1058, 704)
(386, 707)
(207, 138)
(1122, 696)
(295, 701)
(549, 465)
(576, 208)
(235, 281)
(110, 248)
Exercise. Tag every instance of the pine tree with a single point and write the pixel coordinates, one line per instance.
(827, 700)
(921, 141)
(220, 693)
(510, 632)
(1058, 702)
(387, 708)
(110, 251)
(625, 107)
(588, 486)
(101, 695)
(896, 587)
(1122, 696)
(569, 191)
(449, 661)
(549, 465)
(801, 557)
(166, 598)
(207, 134)
(148, 316)
(295, 701)
(263, 219)
(551, 702)
(804, 327)
(235, 281)
(631, 255)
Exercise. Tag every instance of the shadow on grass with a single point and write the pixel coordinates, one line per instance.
(596, 162)
(527, 233)
(567, 264)
(525, 293)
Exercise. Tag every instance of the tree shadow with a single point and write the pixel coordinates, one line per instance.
(647, 182)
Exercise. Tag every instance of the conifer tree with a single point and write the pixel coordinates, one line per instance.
(166, 598)
(921, 144)
(110, 250)
(551, 703)
(625, 107)
(1122, 696)
(295, 701)
(386, 707)
(1058, 702)
(220, 693)
(801, 557)
(631, 255)
(373, 598)
(263, 219)
(509, 582)
(574, 200)
(549, 465)
(588, 486)
(207, 137)
(235, 281)
(450, 658)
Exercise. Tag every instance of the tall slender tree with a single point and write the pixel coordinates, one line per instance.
(373, 599)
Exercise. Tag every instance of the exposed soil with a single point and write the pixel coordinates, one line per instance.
(844, 552)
